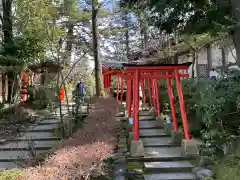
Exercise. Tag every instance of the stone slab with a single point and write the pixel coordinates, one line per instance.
(44, 127)
(17, 155)
(155, 141)
(168, 166)
(8, 165)
(24, 144)
(170, 176)
(36, 135)
(136, 148)
(191, 147)
(147, 124)
(165, 152)
(176, 137)
(152, 132)
(146, 118)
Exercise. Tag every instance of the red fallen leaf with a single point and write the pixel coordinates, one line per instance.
(85, 149)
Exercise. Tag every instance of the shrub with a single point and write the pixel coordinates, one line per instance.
(228, 169)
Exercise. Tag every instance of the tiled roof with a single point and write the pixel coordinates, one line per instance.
(110, 64)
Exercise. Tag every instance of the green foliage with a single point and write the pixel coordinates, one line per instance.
(10, 175)
(188, 16)
(228, 169)
(90, 84)
(216, 106)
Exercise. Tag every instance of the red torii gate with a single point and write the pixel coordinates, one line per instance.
(147, 75)
(136, 73)
(112, 69)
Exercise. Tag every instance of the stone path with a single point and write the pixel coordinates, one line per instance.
(41, 137)
(163, 160)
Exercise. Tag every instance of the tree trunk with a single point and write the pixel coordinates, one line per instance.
(236, 32)
(69, 44)
(194, 56)
(224, 59)
(126, 26)
(209, 58)
(144, 30)
(97, 60)
(7, 29)
(3, 87)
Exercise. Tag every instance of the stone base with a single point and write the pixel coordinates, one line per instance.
(107, 92)
(136, 148)
(122, 107)
(160, 121)
(154, 114)
(191, 147)
(130, 137)
(122, 119)
(176, 137)
(168, 128)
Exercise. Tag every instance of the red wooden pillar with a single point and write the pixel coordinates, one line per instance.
(118, 84)
(157, 98)
(182, 106)
(122, 86)
(153, 95)
(104, 81)
(136, 105)
(127, 95)
(109, 80)
(129, 88)
(172, 104)
(149, 92)
(143, 92)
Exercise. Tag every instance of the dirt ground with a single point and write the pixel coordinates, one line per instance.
(81, 156)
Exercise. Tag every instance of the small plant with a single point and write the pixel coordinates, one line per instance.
(11, 175)
(31, 149)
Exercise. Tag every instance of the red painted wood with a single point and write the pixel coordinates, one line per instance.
(136, 106)
(143, 92)
(122, 86)
(118, 87)
(149, 92)
(182, 106)
(172, 104)
(157, 98)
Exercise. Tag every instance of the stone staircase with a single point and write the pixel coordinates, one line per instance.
(41, 137)
(162, 159)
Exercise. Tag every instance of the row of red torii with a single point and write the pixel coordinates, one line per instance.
(135, 76)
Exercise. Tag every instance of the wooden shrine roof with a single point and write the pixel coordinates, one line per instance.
(49, 66)
(156, 65)
(113, 65)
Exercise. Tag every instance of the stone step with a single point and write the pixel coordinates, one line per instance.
(170, 176)
(158, 159)
(158, 142)
(24, 145)
(152, 133)
(36, 135)
(9, 165)
(175, 166)
(146, 118)
(43, 128)
(15, 156)
(163, 152)
(147, 125)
